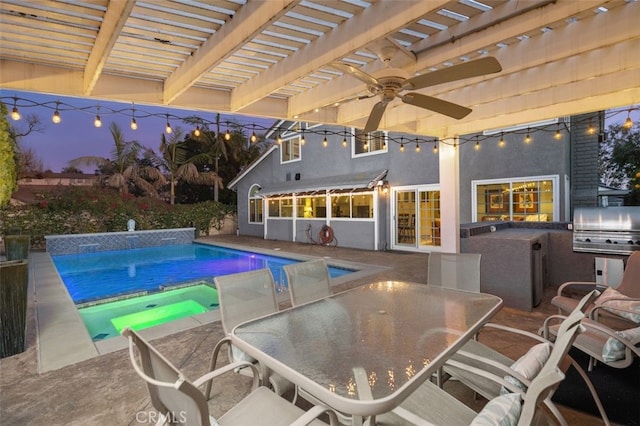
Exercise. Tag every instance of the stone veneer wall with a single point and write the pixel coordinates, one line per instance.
(86, 243)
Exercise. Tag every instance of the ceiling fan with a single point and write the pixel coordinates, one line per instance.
(389, 82)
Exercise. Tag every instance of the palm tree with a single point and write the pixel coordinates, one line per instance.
(124, 169)
(181, 166)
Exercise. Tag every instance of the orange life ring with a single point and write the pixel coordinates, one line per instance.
(326, 234)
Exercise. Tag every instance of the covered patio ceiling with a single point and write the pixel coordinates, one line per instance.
(272, 58)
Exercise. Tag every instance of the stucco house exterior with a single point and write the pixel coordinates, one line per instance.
(384, 191)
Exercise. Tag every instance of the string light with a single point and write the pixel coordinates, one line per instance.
(15, 114)
(97, 122)
(628, 123)
(135, 114)
(324, 141)
(254, 137)
(435, 146)
(168, 129)
(279, 139)
(501, 142)
(196, 132)
(302, 140)
(401, 147)
(417, 146)
(477, 146)
(56, 115)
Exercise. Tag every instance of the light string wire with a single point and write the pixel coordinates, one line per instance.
(198, 121)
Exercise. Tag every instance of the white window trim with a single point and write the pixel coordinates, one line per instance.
(556, 192)
(249, 210)
(366, 154)
(287, 140)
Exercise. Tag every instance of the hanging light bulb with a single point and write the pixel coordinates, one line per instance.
(56, 115)
(558, 135)
(417, 147)
(15, 114)
(324, 141)
(384, 143)
(366, 145)
(168, 129)
(97, 122)
(134, 123)
(401, 147)
(344, 142)
(591, 130)
(527, 139)
(279, 139)
(628, 123)
(477, 147)
(196, 132)
(227, 135)
(302, 141)
(501, 142)
(435, 146)
(254, 137)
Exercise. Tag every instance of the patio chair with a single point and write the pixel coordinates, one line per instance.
(430, 404)
(308, 281)
(242, 297)
(617, 349)
(478, 355)
(180, 401)
(454, 270)
(619, 307)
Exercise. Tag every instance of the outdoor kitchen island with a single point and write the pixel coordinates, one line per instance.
(520, 259)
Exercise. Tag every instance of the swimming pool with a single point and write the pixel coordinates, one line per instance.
(100, 275)
(149, 286)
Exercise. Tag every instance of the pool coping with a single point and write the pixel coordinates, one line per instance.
(63, 339)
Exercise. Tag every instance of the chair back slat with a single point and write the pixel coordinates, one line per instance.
(630, 284)
(308, 281)
(245, 296)
(171, 394)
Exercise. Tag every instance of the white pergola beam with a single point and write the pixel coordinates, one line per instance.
(379, 20)
(114, 20)
(250, 20)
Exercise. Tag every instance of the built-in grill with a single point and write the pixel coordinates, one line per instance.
(613, 230)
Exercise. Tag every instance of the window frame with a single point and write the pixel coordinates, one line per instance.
(255, 202)
(291, 143)
(356, 133)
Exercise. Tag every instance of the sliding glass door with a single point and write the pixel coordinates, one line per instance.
(416, 215)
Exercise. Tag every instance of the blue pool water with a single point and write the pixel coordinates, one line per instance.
(107, 274)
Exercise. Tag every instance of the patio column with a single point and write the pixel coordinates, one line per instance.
(449, 159)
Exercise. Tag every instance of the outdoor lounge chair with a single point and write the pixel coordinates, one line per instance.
(180, 401)
(620, 306)
(454, 270)
(308, 281)
(478, 355)
(244, 296)
(430, 404)
(617, 349)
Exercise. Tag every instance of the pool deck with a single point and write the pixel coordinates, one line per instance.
(81, 383)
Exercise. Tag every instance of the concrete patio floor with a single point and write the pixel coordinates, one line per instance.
(106, 391)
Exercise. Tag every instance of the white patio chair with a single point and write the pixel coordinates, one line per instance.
(478, 355)
(308, 281)
(430, 404)
(242, 297)
(180, 401)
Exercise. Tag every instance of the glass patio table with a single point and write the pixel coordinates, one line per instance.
(363, 351)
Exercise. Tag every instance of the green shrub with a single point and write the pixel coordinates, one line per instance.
(82, 210)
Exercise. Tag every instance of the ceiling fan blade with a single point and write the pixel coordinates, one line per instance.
(357, 73)
(469, 69)
(436, 105)
(374, 118)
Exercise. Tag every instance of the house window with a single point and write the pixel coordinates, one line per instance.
(290, 150)
(355, 205)
(368, 143)
(255, 205)
(311, 207)
(280, 207)
(530, 199)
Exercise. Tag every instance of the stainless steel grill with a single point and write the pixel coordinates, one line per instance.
(613, 230)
